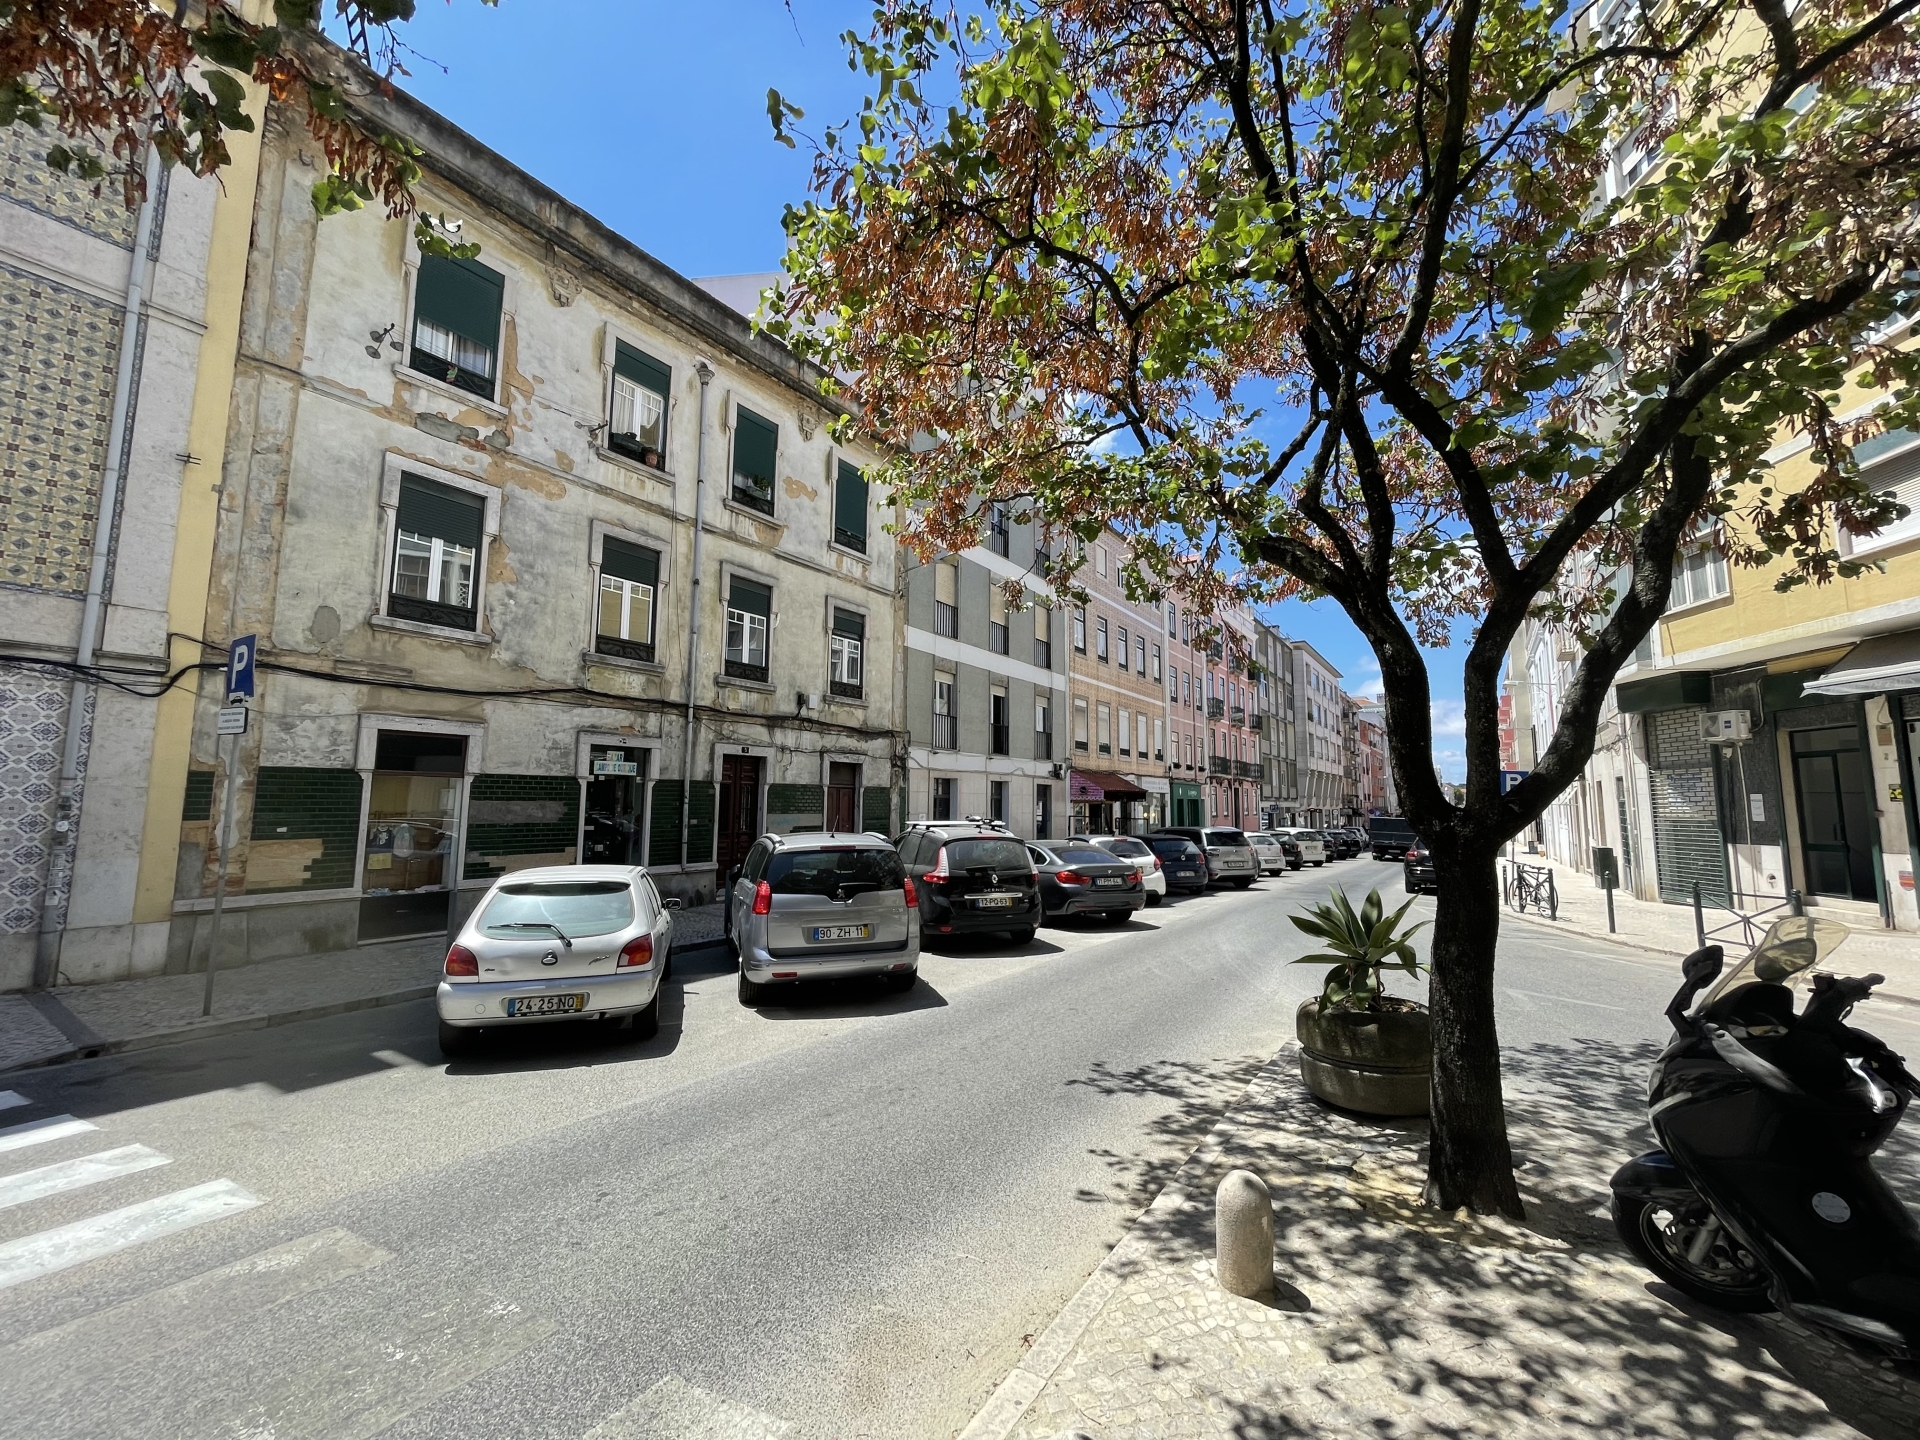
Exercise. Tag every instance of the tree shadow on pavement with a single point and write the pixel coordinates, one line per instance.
(1422, 1324)
(1197, 1094)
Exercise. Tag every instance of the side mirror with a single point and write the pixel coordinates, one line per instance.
(674, 902)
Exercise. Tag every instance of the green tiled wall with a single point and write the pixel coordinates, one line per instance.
(663, 842)
(293, 804)
(796, 800)
(198, 804)
(878, 814)
(510, 815)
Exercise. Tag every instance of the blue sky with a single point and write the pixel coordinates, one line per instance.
(653, 116)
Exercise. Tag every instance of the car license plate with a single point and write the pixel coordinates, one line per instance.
(546, 1004)
(842, 932)
(995, 902)
(1109, 882)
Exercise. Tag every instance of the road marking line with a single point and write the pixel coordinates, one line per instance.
(674, 1410)
(73, 1174)
(35, 1255)
(39, 1132)
(1564, 1000)
(11, 1098)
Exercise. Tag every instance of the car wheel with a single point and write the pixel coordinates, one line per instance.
(457, 1042)
(899, 980)
(1152, 900)
(1021, 937)
(646, 1023)
(750, 993)
(1243, 884)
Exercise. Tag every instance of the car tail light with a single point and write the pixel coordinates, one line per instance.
(763, 899)
(462, 961)
(939, 872)
(1067, 877)
(1156, 862)
(912, 896)
(637, 951)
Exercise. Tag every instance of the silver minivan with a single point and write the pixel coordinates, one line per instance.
(821, 906)
(1313, 849)
(557, 942)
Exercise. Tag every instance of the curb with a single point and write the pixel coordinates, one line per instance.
(1667, 952)
(1010, 1400)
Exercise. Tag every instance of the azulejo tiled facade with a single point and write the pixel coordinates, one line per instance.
(57, 353)
(32, 712)
(26, 178)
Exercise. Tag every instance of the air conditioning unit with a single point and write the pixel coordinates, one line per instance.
(1723, 727)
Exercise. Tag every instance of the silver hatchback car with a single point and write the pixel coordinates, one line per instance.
(821, 906)
(560, 942)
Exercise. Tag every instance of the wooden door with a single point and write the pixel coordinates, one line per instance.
(737, 825)
(843, 790)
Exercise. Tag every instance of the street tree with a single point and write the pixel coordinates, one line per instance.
(111, 81)
(1453, 311)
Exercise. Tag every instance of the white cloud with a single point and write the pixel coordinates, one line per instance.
(1450, 718)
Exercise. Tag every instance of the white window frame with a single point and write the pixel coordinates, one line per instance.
(597, 536)
(1723, 571)
(728, 571)
(836, 642)
(393, 466)
(1851, 545)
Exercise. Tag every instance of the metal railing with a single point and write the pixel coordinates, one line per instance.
(1750, 925)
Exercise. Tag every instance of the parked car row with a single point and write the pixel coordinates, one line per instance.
(591, 942)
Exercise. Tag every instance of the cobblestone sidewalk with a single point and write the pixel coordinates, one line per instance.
(1397, 1322)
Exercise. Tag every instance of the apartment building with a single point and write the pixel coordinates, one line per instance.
(550, 557)
(985, 685)
(1322, 736)
(117, 329)
(1377, 795)
(1274, 722)
(1117, 667)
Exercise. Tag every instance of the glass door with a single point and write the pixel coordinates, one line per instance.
(413, 814)
(1832, 789)
(616, 801)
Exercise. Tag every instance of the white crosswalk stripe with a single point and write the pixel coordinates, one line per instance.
(39, 1132)
(73, 1174)
(9, 1099)
(32, 1256)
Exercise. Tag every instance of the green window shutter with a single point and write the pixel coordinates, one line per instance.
(850, 507)
(849, 623)
(629, 562)
(755, 443)
(440, 511)
(750, 596)
(462, 296)
(641, 369)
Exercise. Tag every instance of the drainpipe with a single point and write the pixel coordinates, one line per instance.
(1903, 752)
(66, 819)
(704, 370)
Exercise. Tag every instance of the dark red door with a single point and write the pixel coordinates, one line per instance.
(843, 785)
(738, 823)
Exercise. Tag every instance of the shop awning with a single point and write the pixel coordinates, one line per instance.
(1882, 665)
(1110, 786)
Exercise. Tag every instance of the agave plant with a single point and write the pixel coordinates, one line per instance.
(1363, 944)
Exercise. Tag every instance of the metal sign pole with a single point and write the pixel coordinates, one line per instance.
(231, 746)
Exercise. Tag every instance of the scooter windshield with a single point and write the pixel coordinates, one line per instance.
(1791, 948)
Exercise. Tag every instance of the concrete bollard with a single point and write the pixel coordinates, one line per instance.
(1243, 1236)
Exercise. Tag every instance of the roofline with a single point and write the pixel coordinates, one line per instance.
(506, 190)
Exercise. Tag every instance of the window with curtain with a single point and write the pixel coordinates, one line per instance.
(1123, 649)
(1080, 628)
(756, 446)
(1126, 732)
(456, 322)
(749, 611)
(1103, 734)
(996, 618)
(629, 575)
(637, 428)
(850, 507)
(1100, 637)
(946, 599)
(436, 546)
(1699, 575)
(1140, 655)
(1079, 724)
(846, 663)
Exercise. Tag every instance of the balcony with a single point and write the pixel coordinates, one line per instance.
(1219, 765)
(946, 732)
(996, 638)
(946, 620)
(1043, 654)
(999, 739)
(1247, 769)
(1216, 708)
(1256, 722)
(1043, 745)
(1238, 715)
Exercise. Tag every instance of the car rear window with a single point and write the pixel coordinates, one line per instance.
(1127, 846)
(1175, 849)
(1226, 839)
(1265, 841)
(844, 870)
(1084, 855)
(577, 908)
(987, 855)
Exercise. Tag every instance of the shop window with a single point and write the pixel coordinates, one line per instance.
(413, 808)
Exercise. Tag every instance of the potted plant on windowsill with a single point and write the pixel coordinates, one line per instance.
(1360, 1048)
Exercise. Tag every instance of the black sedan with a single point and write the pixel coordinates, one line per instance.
(1185, 867)
(1340, 843)
(1080, 880)
(1419, 871)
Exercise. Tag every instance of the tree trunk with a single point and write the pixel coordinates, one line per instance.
(1471, 1163)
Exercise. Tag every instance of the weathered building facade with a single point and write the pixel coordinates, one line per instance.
(1119, 710)
(550, 557)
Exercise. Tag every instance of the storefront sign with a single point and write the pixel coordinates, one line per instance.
(616, 767)
(1080, 789)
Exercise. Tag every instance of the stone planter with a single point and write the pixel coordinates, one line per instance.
(1377, 1064)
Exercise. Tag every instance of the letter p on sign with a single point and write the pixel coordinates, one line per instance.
(240, 667)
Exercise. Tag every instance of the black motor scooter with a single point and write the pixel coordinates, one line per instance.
(1763, 1195)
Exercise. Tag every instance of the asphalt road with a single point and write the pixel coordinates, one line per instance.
(839, 1218)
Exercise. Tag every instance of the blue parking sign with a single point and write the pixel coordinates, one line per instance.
(240, 667)
(1508, 778)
